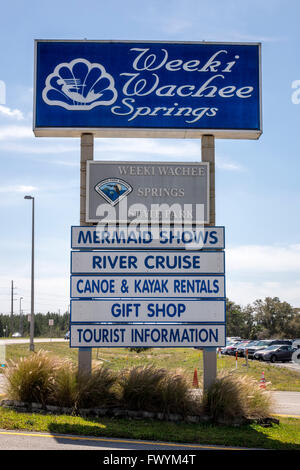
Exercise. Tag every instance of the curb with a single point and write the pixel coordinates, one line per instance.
(23, 407)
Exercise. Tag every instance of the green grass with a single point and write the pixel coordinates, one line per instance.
(187, 359)
(284, 436)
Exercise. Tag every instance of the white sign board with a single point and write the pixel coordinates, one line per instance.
(167, 335)
(99, 237)
(105, 286)
(137, 310)
(145, 262)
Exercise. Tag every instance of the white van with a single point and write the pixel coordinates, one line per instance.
(296, 343)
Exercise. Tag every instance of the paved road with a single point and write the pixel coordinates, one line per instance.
(25, 440)
(286, 403)
(8, 341)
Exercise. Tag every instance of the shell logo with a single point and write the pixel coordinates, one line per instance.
(79, 85)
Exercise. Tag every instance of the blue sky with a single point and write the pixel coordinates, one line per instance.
(257, 182)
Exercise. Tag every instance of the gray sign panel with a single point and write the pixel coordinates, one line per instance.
(147, 192)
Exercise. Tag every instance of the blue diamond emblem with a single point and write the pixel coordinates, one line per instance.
(113, 190)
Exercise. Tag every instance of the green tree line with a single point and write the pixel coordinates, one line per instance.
(268, 318)
(12, 324)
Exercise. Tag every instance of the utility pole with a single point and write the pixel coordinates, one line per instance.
(12, 299)
(21, 318)
(12, 306)
(31, 346)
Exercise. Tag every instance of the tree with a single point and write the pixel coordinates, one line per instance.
(240, 320)
(273, 317)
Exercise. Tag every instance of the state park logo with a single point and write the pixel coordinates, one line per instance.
(113, 190)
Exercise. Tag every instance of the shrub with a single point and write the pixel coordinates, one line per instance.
(152, 389)
(176, 395)
(138, 350)
(31, 379)
(232, 397)
(64, 392)
(98, 389)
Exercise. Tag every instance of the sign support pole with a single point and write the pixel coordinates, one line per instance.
(208, 155)
(86, 153)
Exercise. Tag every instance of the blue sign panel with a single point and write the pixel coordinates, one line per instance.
(144, 89)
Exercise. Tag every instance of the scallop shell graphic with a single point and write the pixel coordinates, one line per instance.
(79, 85)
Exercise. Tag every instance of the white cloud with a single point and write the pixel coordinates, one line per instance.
(224, 164)
(12, 113)
(18, 189)
(39, 147)
(15, 132)
(245, 293)
(51, 294)
(177, 150)
(21, 139)
(263, 258)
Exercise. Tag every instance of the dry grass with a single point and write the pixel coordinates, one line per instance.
(65, 391)
(98, 389)
(45, 379)
(156, 389)
(233, 397)
(31, 379)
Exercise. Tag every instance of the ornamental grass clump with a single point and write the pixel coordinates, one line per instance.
(148, 388)
(100, 388)
(234, 398)
(32, 378)
(64, 392)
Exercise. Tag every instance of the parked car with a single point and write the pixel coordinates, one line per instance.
(263, 344)
(275, 353)
(232, 351)
(241, 349)
(228, 346)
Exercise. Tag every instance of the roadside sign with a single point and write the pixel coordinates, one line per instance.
(147, 191)
(168, 336)
(147, 89)
(51, 322)
(144, 236)
(158, 286)
(140, 310)
(145, 262)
